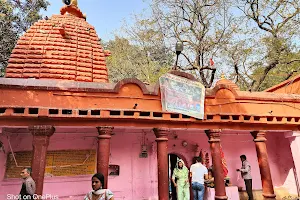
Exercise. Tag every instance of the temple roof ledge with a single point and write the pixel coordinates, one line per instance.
(145, 88)
(153, 89)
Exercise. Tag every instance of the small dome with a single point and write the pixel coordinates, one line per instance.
(63, 47)
(224, 81)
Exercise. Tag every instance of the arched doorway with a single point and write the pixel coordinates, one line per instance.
(173, 158)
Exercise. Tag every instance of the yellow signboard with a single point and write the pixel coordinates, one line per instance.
(58, 163)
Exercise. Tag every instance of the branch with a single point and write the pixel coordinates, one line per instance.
(254, 15)
(212, 77)
(294, 60)
(236, 69)
(280, 25)
(291, 61)
(266, 71)
(187, 69)
(190, 62)
(252, 84)
(207, 67)
(290, 74)
(203, 79)
(242, 78)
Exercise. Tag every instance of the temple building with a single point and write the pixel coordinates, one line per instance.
(60, 116)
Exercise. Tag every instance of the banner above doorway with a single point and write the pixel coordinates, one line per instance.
(182, 95)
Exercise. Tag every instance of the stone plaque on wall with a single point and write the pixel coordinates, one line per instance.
(59, 163)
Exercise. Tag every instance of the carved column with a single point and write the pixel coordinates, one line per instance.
(214, 141)
(104, 151)
(262, 156)
(162, 162)
(41, 136)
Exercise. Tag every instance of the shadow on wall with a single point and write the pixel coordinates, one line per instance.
(281, 162)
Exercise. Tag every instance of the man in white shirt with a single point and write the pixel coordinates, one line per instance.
(246, 174)
(199, 174)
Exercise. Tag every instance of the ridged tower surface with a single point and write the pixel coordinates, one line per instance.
(63, 47)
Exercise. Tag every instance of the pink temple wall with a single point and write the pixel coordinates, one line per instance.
(138, 176)
(281, 161)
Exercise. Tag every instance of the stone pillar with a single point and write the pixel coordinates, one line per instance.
(41, 136)
(214, 141)
(104, 151)
(162, 162)
(294, 138)
(264, 168)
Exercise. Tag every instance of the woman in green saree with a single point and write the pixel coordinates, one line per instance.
(181, 173)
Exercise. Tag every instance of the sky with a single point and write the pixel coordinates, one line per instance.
(107, 16)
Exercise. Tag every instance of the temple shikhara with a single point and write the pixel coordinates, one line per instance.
(60, 116)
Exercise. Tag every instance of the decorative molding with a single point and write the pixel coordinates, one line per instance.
(259, 136)
(41, 130)
(137, 82)
(105, 132)
(214, 135)
(161, 134)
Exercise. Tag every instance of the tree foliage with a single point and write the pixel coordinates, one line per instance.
(140, 53)
(256, 43)
(16, 16)
(203, 26)
(132, 61)
(273, 55)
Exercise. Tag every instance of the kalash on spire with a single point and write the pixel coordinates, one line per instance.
(71, 3)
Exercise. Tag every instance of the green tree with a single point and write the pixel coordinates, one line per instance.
(141, 52)
(256, 43)
(203, 26)
(130, 61)
(268, 53)
(146, 34)
(16, 16)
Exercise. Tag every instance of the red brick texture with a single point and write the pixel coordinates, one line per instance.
(62, 47)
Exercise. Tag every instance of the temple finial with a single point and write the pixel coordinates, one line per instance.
(222, 75)
(71, 7)
(71, 3)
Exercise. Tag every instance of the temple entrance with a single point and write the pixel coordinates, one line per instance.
(173, 158)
